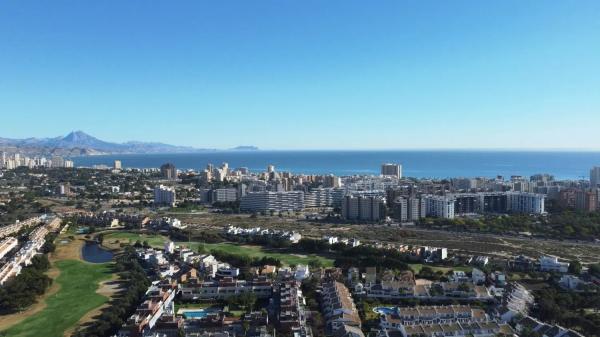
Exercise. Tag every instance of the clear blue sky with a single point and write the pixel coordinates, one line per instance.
(286, 74)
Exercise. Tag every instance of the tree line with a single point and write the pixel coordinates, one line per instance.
(21, 291)
(134, 284)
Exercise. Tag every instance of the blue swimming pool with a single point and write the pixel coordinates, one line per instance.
(201, 313)
(198, 313)
(385, 310)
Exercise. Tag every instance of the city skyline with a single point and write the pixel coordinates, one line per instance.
(334, 75)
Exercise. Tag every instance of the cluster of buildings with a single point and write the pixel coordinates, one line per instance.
(10, 162)
(581, 199)
(283, 191)
(7, 244)
(338, 308)
(450, 205)
(291, 236)
(545, 263)
(112, 219)
(368, 199)
(514, 308)
(18, 225)
(199, 277)
(389, 285)
(158, 302)
(432, 321)
(354, 242)
(289, 308)
(13, 266)
(540, 328)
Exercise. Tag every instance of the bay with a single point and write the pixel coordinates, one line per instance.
(419, 164)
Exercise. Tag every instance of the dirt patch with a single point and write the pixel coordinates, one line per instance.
(70, 250)
(300, 255)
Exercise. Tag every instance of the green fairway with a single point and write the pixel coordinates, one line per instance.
(77, 295)
(153, 240)
(258, 252)
(158, 241)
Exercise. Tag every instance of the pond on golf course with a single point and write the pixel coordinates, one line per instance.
(92, 252)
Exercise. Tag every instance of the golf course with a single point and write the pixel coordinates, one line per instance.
(72, 296)
(113, 239)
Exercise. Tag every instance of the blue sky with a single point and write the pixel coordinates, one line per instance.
(286, 74)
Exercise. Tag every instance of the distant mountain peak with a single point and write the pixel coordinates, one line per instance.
(80, 142)
(78, 136)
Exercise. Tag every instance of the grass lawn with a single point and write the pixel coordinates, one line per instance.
(158, 241)
(258, 251)
(153, 240)
(78, 283)
(203, 305)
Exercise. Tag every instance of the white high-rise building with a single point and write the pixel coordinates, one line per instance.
(117, 165)
(526, 203)
(391, 170)
(164, 195)
(439, 206)
(224, 195)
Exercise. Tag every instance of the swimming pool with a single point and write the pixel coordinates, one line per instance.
(196, 313)
(385, 310)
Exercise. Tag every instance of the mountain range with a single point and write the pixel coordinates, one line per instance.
(80, 143)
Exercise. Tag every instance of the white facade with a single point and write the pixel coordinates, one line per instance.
(526, 203)
(224, 195)
(439, 206)
(551, 263)
(301, 272)
(164, 195)
(272, 201)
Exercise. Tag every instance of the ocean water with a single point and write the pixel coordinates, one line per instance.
(419, 164)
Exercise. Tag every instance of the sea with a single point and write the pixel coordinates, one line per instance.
(418, 164)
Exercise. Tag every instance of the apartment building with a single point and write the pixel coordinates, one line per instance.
(7, 245)
(338, 306)
(158, 301)
(362, 207)
(224, 195)
(18, 225)
(225, 287)
(391, 170)
(164, 195)
(431, 321)
(272, 201)
(290, 311)
(407, 209)
(439, 206)
(324, 197)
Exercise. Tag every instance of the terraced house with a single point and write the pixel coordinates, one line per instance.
(434, 321)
